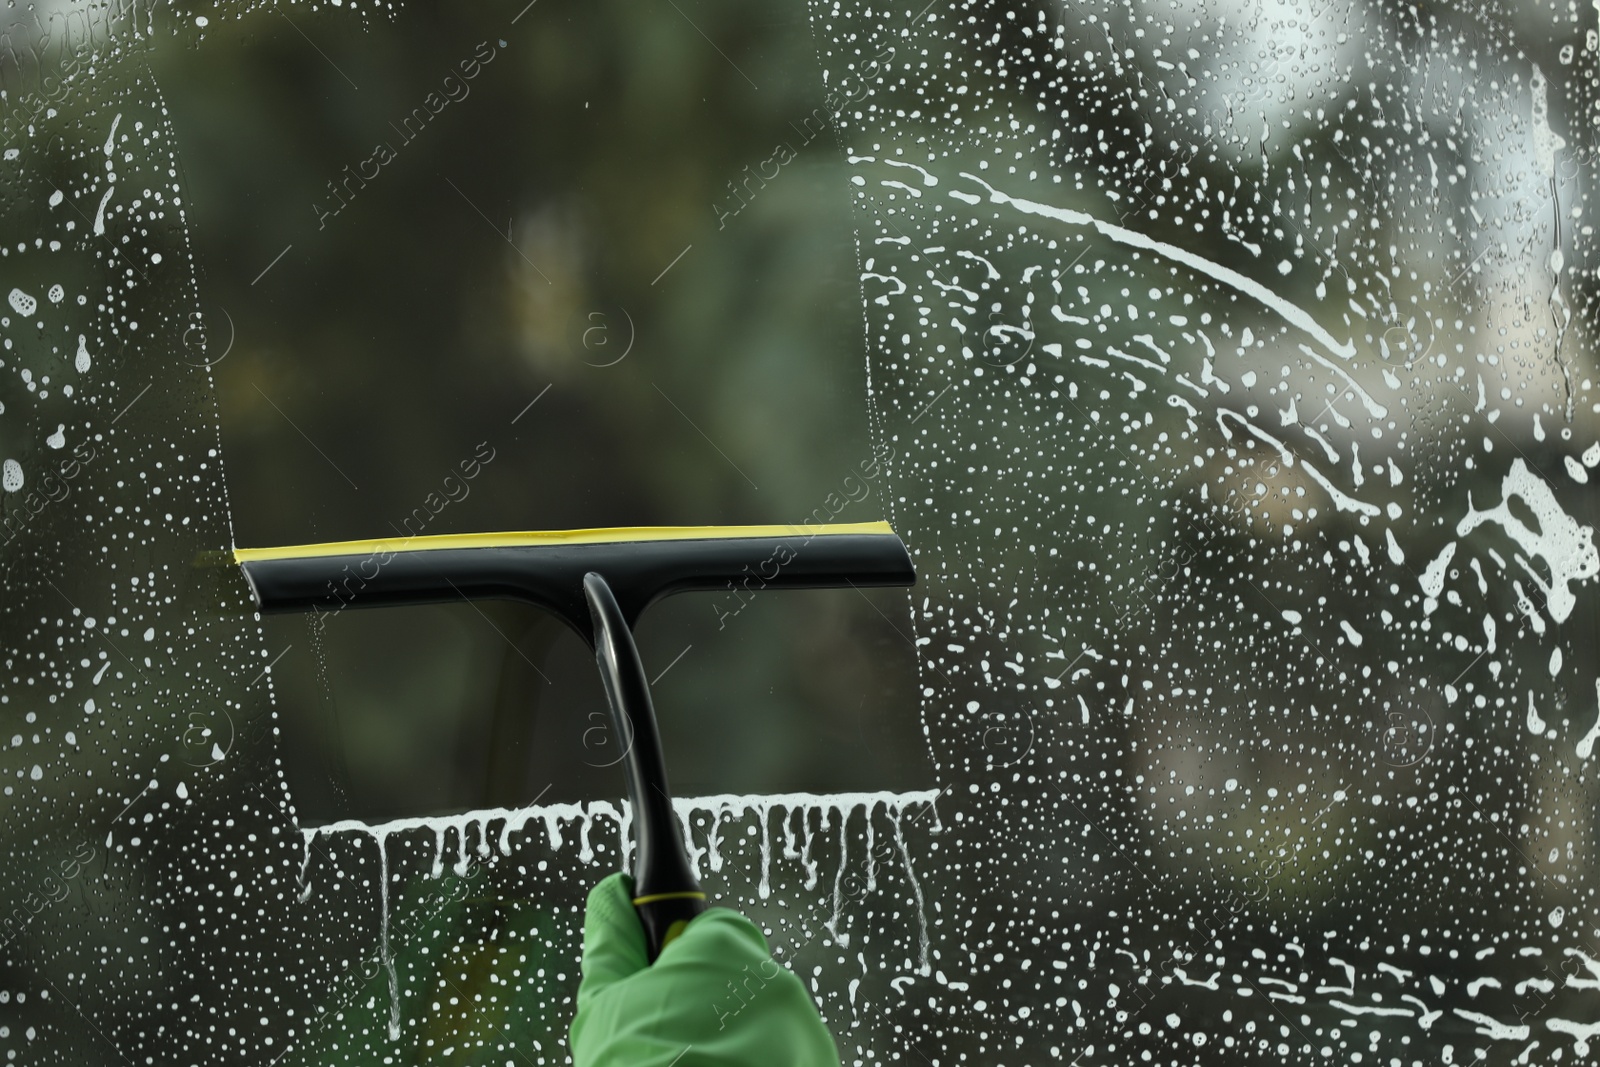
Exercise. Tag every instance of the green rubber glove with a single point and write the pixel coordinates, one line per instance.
(714, 998)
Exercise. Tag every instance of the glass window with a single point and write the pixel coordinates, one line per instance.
(1222, 365)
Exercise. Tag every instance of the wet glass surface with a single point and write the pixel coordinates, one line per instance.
(1226, 369)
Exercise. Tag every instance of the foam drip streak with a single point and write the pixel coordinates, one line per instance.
(832, 924)
(872, 859)
(305, 867)
(765, 888)
(806, 839)
(382, 839)
(916, 891)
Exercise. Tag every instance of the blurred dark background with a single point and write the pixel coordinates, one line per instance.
(564, 232)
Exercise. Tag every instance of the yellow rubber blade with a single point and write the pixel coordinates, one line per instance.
(533, 538)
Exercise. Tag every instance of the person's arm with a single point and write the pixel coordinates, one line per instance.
(715, 996)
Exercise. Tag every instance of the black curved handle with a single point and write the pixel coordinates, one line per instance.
(665, 891)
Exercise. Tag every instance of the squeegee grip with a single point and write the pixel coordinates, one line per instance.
(666, 893)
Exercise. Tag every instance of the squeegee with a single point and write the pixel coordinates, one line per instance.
(598, 582)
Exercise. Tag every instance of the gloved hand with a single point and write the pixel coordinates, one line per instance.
(714, 998)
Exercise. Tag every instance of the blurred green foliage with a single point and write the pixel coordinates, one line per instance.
(545, 202)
